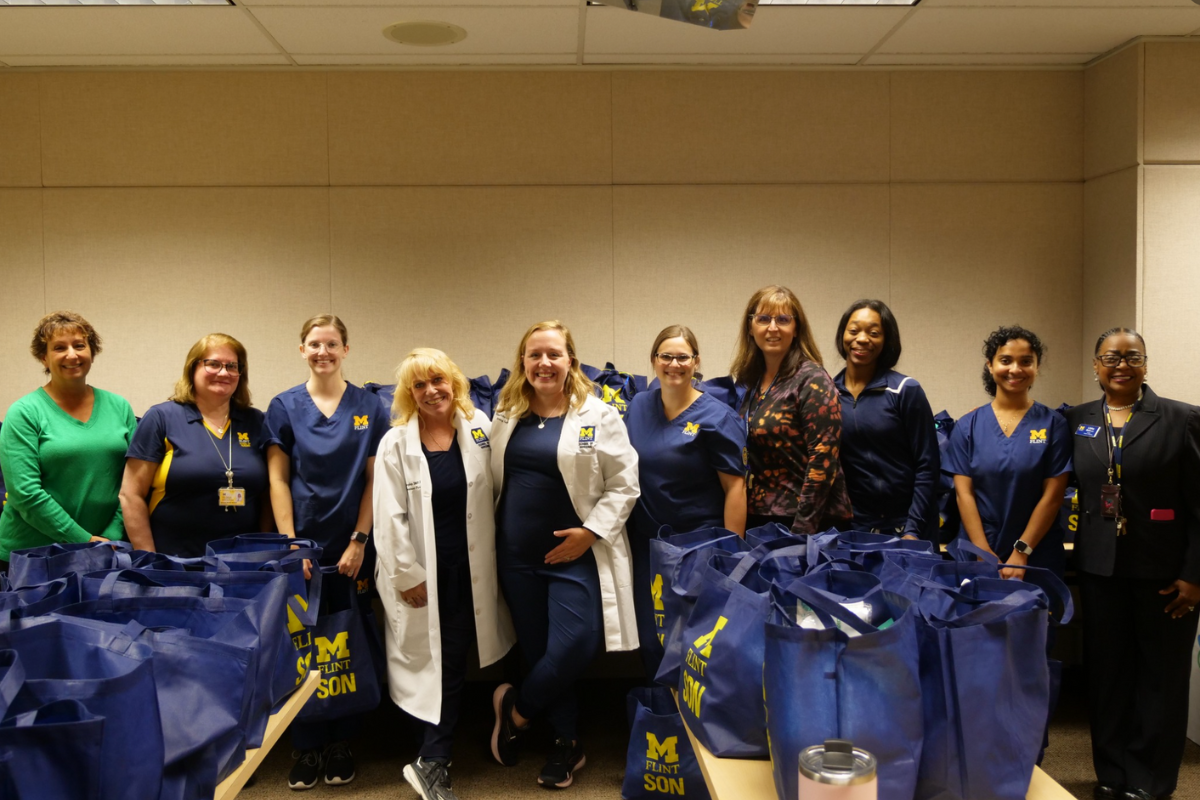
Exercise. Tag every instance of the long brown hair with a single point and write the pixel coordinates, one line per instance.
(185, 387)
(748, 364)
(516, 394)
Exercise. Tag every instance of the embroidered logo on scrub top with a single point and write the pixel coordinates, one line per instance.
(1037, 437)
(480, 437)
(691, 428)
(587, 437)
(360, 423)
(244, 439)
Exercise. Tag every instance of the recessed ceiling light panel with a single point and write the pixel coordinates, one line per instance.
(424, 33)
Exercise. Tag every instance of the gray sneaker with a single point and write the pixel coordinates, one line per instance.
(431, 779)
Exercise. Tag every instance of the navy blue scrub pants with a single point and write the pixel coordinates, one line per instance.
(644, 607)
(557, 615)
(456, 622)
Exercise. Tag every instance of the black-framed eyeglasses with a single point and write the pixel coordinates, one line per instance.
(683, 359)
(214, 367)
(764, 320)
(1134, 360)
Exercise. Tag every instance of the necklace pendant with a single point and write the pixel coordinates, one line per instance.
(542, 425)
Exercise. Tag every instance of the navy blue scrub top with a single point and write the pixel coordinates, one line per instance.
(184, 513)
(328, 458)
(1007, 475)
(448, 481)
(534, 502)
(678, 462)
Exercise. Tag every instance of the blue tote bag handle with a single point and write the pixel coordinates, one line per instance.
(826, 607)
(12, 678)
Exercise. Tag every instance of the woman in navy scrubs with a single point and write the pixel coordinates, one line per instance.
(1139, 569)
(690, 466)
(889, 445)
(565, 482)
(188, 452)
(1011, 460)
(321, 443)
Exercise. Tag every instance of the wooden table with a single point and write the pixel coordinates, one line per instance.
(751, 779)
(278, 721)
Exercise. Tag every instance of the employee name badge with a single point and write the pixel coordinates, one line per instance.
(231, 497)
(1089, 431)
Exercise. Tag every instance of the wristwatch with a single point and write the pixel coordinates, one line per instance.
(1022, 547)
(359, 537)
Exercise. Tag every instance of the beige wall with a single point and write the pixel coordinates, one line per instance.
(452, 209)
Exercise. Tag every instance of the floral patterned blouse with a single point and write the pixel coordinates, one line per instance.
(794, 431)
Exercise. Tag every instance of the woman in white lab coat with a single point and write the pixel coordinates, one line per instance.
(565, 482)
(436, 568)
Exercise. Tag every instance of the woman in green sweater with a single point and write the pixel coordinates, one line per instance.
(62, 447)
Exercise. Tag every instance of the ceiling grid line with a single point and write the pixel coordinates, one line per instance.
(862, 61)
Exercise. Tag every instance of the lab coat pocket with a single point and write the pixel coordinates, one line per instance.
(588, 480)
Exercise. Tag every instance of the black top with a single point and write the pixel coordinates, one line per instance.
(448, 479)
(534, 502)
(1160, 491)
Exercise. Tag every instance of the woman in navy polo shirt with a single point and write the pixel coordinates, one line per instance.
(195, 470)
(321, 443)
(690, 467)
(889, 445)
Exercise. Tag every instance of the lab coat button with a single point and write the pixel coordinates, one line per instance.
(470, 484)
(478, 612)
(469, 516)
(471, 548)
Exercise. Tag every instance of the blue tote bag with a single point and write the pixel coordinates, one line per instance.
(68, 662)
(676, 562)
(850, 670)
(660, 760)
(43, 564)
(720, 686)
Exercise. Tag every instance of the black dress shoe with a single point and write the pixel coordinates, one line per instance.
(1136, 794)
(1106, 791)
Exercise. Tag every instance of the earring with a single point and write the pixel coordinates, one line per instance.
(1095, 377)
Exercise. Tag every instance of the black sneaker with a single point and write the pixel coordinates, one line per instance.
(506, 736)
(565, 758)
(339, 764)
(431, 779)
(306, 771)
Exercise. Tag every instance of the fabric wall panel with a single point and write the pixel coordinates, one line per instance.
(694, 255)
(467, 270)
(156, 269)
(460, 128)
(1112, 91)
(22, 290)
(968, 258)
(749, 127)
(184, 129)
(21, 153)
(1172, 102)
(986, 126)
(1171, 280)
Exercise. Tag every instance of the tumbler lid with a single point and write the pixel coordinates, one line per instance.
(837, 762)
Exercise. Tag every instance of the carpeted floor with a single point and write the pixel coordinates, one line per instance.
(389, 741)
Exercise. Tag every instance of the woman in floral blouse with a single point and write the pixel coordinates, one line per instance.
(793, 419)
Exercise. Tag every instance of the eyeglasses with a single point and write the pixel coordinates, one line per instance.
(330, 347)
(764, 320)
(214, 367)
(683, 360)
(1134, 360)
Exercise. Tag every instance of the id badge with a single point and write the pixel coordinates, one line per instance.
(231, 497)
(1110, 501)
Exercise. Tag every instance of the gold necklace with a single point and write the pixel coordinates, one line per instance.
(438, 445)
(1004, 425)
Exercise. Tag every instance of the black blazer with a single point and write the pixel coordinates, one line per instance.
(1160, 469)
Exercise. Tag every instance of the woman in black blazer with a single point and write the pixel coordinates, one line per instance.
(1137, 552)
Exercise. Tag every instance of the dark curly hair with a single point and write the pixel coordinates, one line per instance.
(1002, 336)
(889, 354)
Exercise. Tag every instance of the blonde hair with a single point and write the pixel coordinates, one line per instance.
(421, 364)
(748, 364)
(516, 394)
(185, 387)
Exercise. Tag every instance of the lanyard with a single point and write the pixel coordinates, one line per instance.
(227, 464)
(755, 400)
(1115, 443)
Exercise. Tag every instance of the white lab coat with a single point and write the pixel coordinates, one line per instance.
(404, 540)
(602, 482)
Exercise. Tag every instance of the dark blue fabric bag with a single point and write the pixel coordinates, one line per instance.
(36, 565)
(768, 533)
(720, 687)
(50, 752)
(614, 387)
(724, 389)
(660, 760)
(482, 394)
(849, 678)
(676, 562)
(69, 662)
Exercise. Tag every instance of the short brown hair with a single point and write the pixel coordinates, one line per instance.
(55, 323)
(185, 388)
